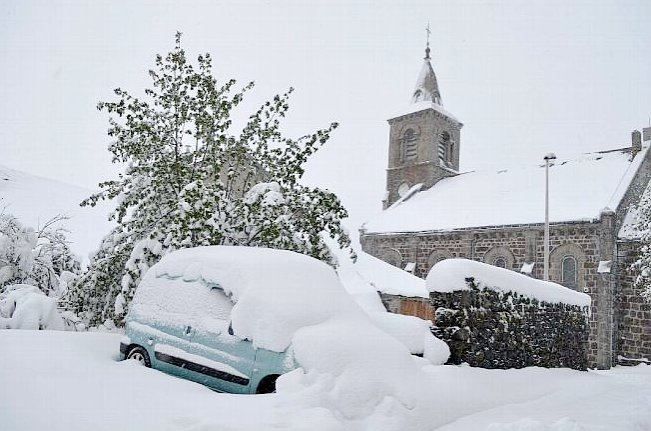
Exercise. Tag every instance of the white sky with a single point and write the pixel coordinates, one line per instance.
(526, 78)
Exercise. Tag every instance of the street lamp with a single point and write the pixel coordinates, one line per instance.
(549, 157)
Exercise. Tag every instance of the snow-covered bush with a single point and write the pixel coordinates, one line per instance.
(192, 181)
(40, 258)
(25, 307)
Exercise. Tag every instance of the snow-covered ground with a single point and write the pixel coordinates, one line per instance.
(71, 381)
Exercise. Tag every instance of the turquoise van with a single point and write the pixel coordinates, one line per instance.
(179, 323)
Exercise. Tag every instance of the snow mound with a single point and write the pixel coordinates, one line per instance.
(25, 307)
(450, 275)
(368, 275)
(415, 334)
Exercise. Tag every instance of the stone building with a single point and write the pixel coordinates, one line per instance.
(433, 211)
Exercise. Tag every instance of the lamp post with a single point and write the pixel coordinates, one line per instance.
(549, 157)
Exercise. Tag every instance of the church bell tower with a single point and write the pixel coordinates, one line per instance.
(424, 141)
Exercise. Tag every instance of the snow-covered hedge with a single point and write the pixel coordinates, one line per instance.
(495, 318)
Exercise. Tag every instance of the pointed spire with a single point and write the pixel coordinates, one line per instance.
(427, 88)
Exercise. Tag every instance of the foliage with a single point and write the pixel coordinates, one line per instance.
(190, 181)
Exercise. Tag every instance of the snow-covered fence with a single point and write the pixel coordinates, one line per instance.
(496, 318)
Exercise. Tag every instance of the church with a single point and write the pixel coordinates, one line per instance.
(434, 211)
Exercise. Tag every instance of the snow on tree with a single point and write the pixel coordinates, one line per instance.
(40, 258)
(191, 181)
(643, 228)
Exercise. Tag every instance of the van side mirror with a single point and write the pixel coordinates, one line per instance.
(230, 328)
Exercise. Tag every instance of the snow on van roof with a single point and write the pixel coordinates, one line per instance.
(275, 292)
(450, 275)
(579, 190)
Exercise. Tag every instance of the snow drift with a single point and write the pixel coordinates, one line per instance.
(25, 307)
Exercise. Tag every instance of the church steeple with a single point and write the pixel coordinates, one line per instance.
(427, 88)
(424, 139)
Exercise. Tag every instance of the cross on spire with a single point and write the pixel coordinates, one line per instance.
(428, 32)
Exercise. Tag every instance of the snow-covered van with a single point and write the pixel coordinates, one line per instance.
(225, 316)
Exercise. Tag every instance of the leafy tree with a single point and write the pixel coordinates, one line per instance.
(190, 181)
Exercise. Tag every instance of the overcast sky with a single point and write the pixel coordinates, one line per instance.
(526, 78)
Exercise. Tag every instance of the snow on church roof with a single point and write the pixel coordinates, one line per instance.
(579, 190)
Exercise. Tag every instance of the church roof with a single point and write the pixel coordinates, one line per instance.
(579, 190)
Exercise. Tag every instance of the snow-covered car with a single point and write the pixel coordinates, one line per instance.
(221, 316)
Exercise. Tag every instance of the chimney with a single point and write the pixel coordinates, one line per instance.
(646, 134)
(636, 142)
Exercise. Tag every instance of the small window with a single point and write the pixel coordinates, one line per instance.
(444, 147)
(569, 272)
(500, 262)
(409, 146)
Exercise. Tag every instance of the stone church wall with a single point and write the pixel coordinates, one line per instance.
(633, 314)
(517, 245)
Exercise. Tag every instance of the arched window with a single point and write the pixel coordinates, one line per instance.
(569, 272)
(436, 256)
(500, 262)
(444, 144)
(409, 146)
(392, 257)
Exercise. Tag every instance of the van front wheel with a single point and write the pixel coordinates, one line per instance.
(267, 385)
(140, 354)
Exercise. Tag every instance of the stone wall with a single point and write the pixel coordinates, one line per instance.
(633, 314)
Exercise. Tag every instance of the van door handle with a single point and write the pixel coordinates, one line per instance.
(188, 330)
